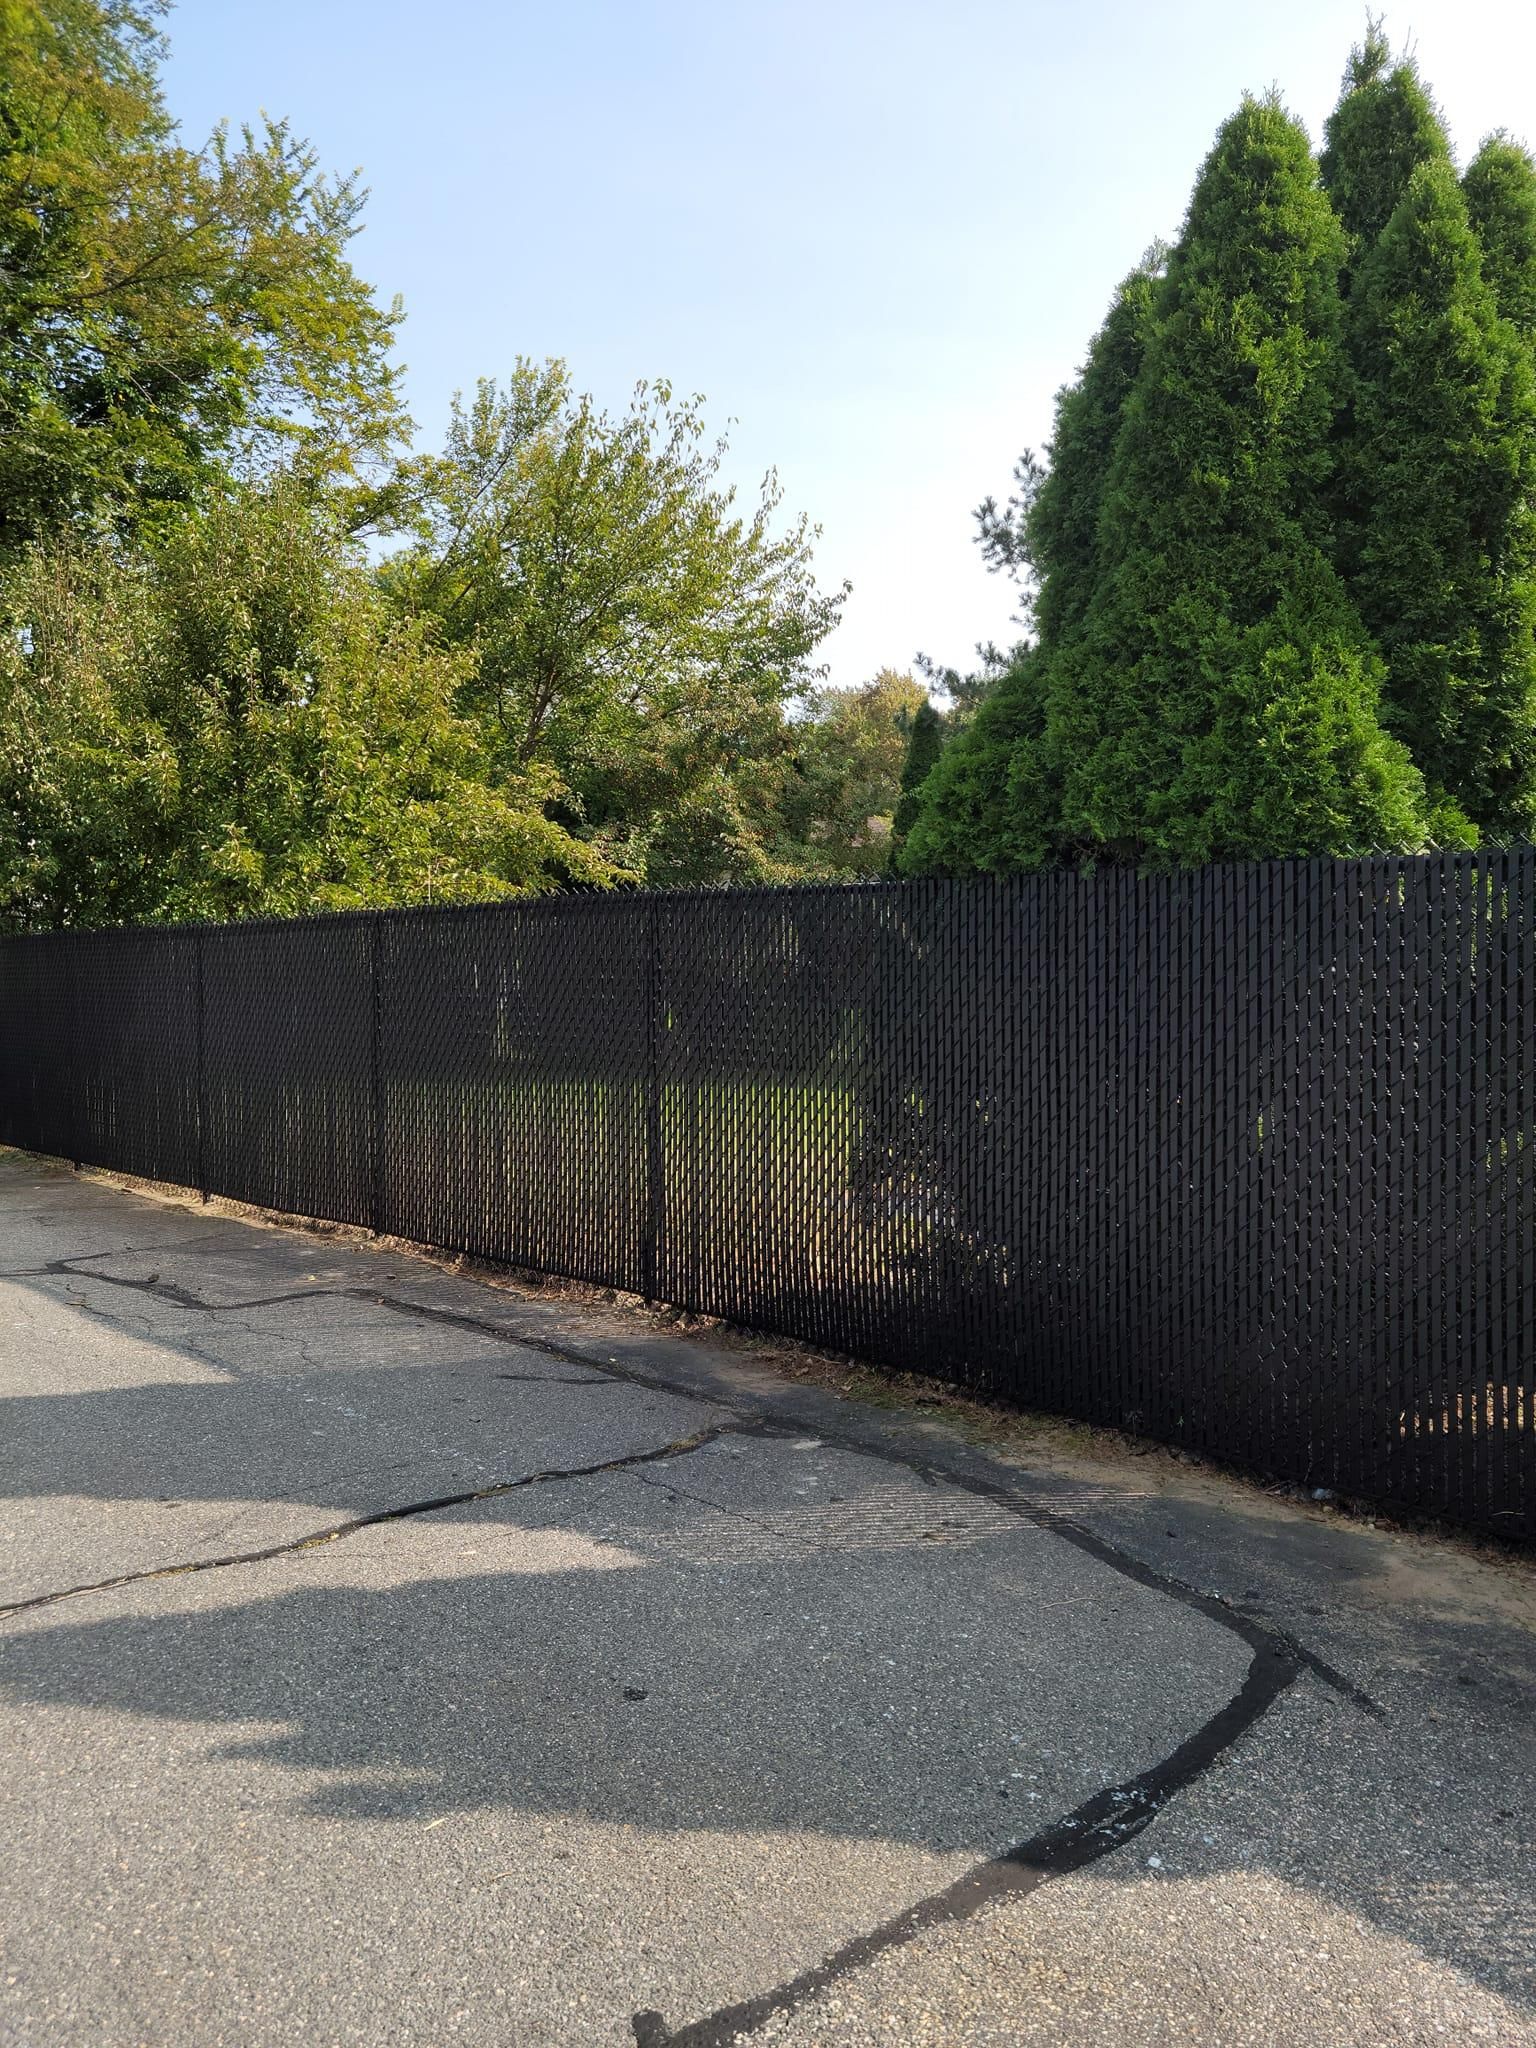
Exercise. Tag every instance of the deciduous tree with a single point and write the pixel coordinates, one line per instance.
(165, 312)
(843, 779)
(229, 720)
(623, 621)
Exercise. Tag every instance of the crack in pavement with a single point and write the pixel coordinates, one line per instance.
(117, 1251)
(1096, 1828)
(1214, 1605)
(679, 1447)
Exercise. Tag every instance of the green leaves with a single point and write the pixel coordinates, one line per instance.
(582, 666)
(847, 767)
(233, 722)
(622, 621)
(1500, 188)
(165, 313)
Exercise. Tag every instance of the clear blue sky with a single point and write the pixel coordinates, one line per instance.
(877, 237)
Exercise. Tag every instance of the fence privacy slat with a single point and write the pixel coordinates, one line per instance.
(1243, 1159)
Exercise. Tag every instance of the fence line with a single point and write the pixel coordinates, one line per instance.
(1241, 1158)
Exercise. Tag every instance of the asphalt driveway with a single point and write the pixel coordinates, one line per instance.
(388, 1658)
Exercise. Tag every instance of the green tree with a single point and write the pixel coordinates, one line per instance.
(165, 311)
(1442, 471)
(993, 802)
(1221, 697)
(1500, 188)
(624, 623)
(844, 777)
(985, 806)
(925, 743)
(1384, 126)
(1048, 539)
(229, 720)
(1229, 691)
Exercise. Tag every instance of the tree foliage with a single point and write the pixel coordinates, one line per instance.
(986, 806)
(993, 802)
(231, 721)
(925, 743)
(1200, 685)
(1500, 187)
(843, 779)
(1442, 473)
(622, 620)
(1221, 671)
(1384, 126)
(165, 312)
(1280, 567)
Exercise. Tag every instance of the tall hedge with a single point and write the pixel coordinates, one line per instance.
(1286, 545)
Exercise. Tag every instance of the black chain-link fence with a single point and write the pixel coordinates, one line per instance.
(1244, 1159)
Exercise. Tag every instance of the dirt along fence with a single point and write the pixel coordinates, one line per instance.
(1243, 1159)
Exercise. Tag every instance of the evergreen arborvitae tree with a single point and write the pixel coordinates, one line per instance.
(1062, 525)
(1441, 468)
(1500, 188)
(989, 805)
(1221, 697)
(925, 742)
(1383, 128)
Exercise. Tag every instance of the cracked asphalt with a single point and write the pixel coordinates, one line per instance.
(387, 1658)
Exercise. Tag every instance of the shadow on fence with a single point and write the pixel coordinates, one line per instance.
(1240, 1158)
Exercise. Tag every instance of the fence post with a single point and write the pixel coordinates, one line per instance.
(376, 1077)
(650, 1250)
(202, 1073)
(76, 1067)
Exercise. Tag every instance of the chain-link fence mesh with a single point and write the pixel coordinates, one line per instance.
(1244, 1159)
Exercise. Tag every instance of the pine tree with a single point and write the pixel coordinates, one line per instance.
(1442, 467)
(1500, 188)
(1221, 698)
(1383, 128)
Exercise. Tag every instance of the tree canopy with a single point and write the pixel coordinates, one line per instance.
(234, 721)
(166, 312)
(583, 660)
(623, 620)
(836, 809)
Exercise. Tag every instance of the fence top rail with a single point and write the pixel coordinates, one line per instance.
(596, 902)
